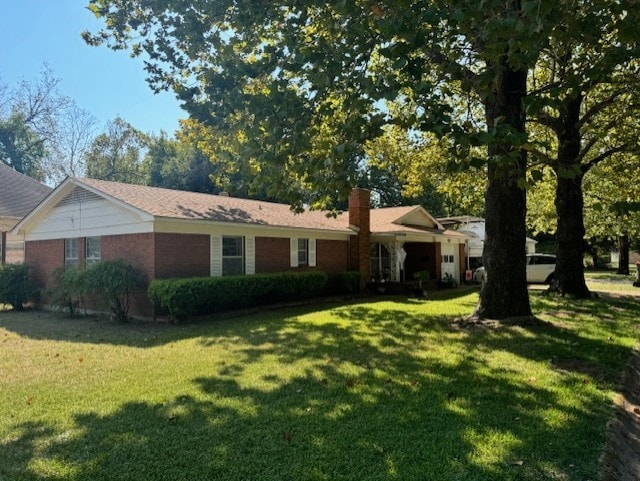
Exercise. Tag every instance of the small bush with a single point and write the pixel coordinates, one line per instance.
(113, 282)
(345, 283)
(16, 285)
(69, 289)
(203, 295)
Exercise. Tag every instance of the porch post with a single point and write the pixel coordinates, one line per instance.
(395, 260)
(394, 275)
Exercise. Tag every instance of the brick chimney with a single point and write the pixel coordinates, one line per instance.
(360, 245)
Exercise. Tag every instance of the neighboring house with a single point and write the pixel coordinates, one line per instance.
(19, 194)
(168, 233)
(474, 228)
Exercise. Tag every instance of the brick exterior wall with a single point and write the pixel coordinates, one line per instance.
(332, 256)
(182, 255)
(272, 254)
(360, 245)
(462, 261)
(44, 257)
(137, 249)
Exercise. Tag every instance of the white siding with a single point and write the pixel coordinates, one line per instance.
(450, 251)
(250, 255)
(293, 252)
(216, 255)
(87, 219)
(312, 252)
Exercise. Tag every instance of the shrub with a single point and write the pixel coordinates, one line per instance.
(203, 295)
(344, 283)
(69, 289)
(16, 285)
(112, 283)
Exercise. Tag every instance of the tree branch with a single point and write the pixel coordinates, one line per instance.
(626, 147)
(598, 107)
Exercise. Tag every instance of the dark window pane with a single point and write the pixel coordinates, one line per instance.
(232, 266)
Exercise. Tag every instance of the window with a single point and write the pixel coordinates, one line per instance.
(92, 251)
(232, 255)
(71, 253)
(380, 262)
(303, 251)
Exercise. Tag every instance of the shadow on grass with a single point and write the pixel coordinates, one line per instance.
(369, 407)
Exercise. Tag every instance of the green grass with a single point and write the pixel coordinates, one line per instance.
(382, 390)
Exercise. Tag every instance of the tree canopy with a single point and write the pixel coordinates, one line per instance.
(297, 90)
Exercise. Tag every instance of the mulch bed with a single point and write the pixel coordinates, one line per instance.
(621, 457)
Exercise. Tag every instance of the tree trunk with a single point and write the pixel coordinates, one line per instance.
(569, 276)
(505, 294)
(594, 257)
(623, 261)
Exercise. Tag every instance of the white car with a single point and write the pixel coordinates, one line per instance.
(541, 269)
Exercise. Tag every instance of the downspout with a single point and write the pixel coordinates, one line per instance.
(3, 248)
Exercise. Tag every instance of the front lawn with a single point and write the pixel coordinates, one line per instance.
(379, 390)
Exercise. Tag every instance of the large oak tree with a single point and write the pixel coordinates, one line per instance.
(586, 86)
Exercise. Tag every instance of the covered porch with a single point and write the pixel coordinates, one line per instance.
(397, 258)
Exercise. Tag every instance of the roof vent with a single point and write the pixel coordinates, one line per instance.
(224, 194)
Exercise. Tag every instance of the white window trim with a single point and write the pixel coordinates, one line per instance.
(92, 260)
(216, 255)
(249, 255)
(311, 252)
(293, 252)
(75, 261)
(242, 255)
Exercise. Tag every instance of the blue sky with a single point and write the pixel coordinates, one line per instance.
(104, 82)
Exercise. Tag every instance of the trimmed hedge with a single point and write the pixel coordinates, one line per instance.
(345, 283)
(204, 295)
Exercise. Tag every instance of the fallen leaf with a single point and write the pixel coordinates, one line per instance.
(29, 400)
(81, 359)
(377, 10)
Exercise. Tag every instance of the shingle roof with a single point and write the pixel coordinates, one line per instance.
(385, 221)
(19, 194)
(176, 204)
(382, 220)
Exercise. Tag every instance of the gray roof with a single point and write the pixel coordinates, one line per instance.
(19, 194)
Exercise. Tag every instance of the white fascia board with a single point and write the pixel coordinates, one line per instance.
(64, 188)
(122, 229)
(424, 212)
(187, 226)
(416, 237)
